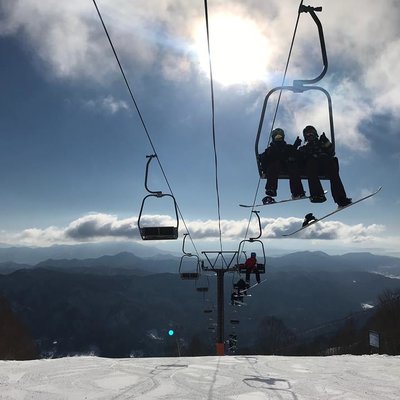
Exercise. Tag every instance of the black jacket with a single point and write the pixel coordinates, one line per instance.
(279, 151)
(316, 149)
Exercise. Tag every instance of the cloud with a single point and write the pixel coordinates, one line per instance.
(104, 227)
(101, 226)
(61, 35)
(107, 104)
(158, 37)
(334, 230)
(68, 37)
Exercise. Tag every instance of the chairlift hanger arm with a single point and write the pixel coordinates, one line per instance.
(150, 157)
(312, 11)
(183, 246)
(259, 226)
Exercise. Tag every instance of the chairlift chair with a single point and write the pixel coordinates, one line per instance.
(299, 86)
(189, 266)
(157, 232)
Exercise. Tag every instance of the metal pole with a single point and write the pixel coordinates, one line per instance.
(220, 310)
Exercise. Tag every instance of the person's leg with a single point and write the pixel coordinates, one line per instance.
(295, 184)
(272, 172)
(331, 167)
(316, 189)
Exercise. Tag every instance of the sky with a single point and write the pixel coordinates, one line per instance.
(235, 377)
(73, 147)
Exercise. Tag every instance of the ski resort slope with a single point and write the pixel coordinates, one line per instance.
(230, 377)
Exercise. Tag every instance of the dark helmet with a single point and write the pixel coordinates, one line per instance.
(278, 134)
(253, 255)
(310, 132)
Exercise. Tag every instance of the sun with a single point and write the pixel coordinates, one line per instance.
(239, 51)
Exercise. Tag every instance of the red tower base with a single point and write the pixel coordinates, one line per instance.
(220, 349)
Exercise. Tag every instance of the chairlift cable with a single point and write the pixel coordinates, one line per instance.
(277, 104)
(286, 69)
(213, 123)
(275, 113)
(139, 113)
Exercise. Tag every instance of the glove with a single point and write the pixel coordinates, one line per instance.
(297, 142)
(324, 140)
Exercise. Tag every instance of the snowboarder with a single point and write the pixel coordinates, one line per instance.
(236, 297)
(240, 286)
(280, 157)
(232, 342)
(251, 267)
(318, 158)
(308, 218)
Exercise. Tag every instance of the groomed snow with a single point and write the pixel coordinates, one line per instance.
(375, 377)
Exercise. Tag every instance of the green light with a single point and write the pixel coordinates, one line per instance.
(171, 332)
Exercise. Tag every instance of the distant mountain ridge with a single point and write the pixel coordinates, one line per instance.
(124, 262)
(34, 255)
(129, 263)
(318, 260)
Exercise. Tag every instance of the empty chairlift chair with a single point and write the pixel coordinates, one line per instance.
(157, 232)
(189, 266)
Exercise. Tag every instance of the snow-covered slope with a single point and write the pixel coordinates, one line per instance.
(190, 378)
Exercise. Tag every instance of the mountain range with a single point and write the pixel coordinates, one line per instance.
(157, 262)
(123, 304)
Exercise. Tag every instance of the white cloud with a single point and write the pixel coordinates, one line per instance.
(68, 37)
(100, 227)
(107, 104)
(382, 78)
(159, 35)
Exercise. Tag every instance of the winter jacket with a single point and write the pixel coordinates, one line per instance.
(321, 147)
(251, 263)
(279, 151)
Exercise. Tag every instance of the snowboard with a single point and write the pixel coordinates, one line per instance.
(238, 303)
(251, 287)
(273, 201)
(315, 220)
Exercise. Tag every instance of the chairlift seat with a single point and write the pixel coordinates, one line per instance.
(260, 268)
(189, 275)
(284, 174)
(159, 233)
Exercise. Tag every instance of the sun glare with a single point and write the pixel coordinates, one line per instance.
(239, 51)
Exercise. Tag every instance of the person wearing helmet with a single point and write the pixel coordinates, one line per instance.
(238, 291)
(280, 157)
(318, 158)
(251, 267)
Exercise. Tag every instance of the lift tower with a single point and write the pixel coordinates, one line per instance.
(220, 264)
